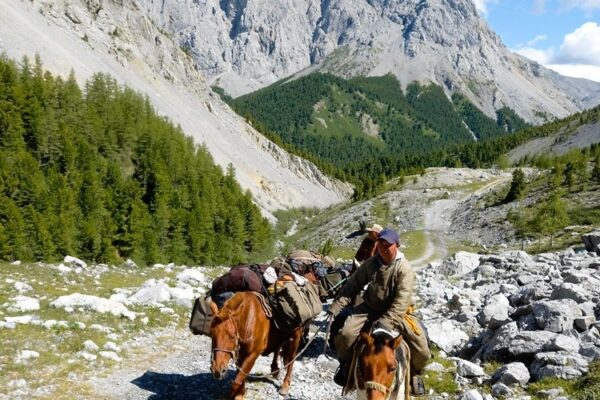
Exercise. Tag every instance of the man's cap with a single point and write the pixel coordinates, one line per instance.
(375, 228)
(389, 235)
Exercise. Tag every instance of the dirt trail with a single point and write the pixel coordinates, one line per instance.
(437, 220)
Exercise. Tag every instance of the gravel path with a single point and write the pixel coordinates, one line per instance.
(178, 368)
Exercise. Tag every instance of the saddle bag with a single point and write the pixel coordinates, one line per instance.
(293, 304)
(239, 279)
(201, 316)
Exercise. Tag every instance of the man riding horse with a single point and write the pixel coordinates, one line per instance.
(387, 305)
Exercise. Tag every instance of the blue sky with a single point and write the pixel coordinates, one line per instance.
(561, 34)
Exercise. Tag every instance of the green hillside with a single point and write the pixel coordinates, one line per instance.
(365, 129)
(96, 173)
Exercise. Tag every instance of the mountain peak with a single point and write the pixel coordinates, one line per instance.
(243, 45)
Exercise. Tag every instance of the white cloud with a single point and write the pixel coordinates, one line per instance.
(581, 46)
(540, 55)
(591, 72)
(587, 5)
(578, 56)
(538, 38)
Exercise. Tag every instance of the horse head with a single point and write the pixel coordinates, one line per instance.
(378, 368)
(225, 340)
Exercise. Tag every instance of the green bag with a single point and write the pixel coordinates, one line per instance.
(293, 304)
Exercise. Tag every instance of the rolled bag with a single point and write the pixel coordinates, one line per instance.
(295, 304)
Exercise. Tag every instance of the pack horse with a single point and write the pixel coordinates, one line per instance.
(241, 331)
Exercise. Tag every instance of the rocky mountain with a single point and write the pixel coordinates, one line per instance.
(243, 45)
(90, 36)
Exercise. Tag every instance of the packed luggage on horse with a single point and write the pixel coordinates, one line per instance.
(274, 305)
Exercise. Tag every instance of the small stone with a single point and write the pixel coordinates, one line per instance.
(472, 394)
(90, 346)
(515, 373)
(501, 390)
(110, 355)
(26, 355)
(583, 323)
(111, 346)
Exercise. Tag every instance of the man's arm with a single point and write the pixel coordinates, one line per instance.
(353, 287)
(403, 298)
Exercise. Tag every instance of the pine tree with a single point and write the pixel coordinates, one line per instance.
(517, 186)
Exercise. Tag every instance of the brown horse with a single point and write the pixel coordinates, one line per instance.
(381, 368)
(241, 331)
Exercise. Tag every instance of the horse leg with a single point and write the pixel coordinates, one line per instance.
(274, 364)
(238, 387)
(290, 351)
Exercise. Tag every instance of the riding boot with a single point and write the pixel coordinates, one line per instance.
(341, 375)
(417, 386)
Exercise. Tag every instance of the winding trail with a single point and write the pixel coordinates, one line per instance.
(437, 220)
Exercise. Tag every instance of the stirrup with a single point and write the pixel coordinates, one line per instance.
(417, 387)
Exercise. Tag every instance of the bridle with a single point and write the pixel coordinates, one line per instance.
(388, 390)
(232, 352)
(380, 387)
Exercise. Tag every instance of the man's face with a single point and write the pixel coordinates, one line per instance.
(387, 251)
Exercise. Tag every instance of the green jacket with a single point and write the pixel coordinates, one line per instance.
(389, 292)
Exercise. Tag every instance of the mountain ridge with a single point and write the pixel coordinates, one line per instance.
(94, 36)
(244, 45)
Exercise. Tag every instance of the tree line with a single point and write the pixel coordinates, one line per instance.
(95, 172)
(418, 128)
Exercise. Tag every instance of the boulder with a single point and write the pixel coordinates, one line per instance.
(151, 294)
(467, 369)
(558, 365)
(93, 303)
(75, 261)
(515, 373)
(591, 241)
(509, 343)
(590, 352)
(90, 346)
(194, 277)
(563, 343)
(500, 390)
(553, 393)
(472, 394)
(24, 304)
(583, 323)
(571, 291)
(556, 315)
(446, 335)
(460, 264)
(110, 355)
(495, 313)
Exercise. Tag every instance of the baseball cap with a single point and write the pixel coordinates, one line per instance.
(389, 235)
(375, 228)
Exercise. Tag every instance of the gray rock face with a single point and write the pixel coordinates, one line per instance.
(495, 312)
(556, 315)
(558, 365)
(468, 369)
(592, 241)
(446, 335)
(500, 390)
(512, 374)
(244, 45)
(571, 291)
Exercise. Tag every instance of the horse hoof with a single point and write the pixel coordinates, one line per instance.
(284, 390)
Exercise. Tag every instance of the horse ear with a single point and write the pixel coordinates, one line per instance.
(396, 342)
(213, 307)
(366, 338)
